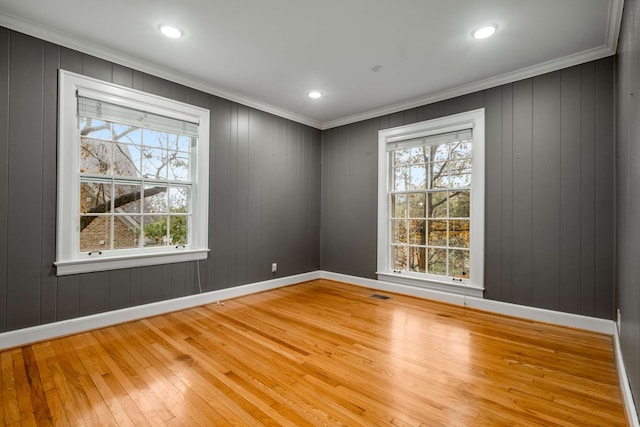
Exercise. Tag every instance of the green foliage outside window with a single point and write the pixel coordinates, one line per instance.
(177, 230)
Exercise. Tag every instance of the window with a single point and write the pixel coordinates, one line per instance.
(431, 204)
(132, 178)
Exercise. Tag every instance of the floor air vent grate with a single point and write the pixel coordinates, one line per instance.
(378, 296)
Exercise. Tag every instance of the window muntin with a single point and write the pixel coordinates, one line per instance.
(431, 203)
(132, 178)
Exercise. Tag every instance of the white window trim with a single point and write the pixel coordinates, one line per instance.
(68, 258)
(475, 285)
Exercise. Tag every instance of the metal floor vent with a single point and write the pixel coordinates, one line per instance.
(378, 296)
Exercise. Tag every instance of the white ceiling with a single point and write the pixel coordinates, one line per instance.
(269, 54)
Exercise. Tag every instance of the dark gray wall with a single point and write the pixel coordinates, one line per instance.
(549, 189)
(264, 204)
(628, 193)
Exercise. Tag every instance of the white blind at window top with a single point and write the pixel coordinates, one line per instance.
(441, 138)
(107, 111)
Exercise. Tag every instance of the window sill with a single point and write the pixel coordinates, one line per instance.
(435, 285)
(114, 263)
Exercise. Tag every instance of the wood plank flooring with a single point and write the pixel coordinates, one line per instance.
(318, 353)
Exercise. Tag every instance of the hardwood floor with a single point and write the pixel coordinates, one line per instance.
(317, 353)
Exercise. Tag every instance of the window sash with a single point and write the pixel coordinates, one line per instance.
(427, 245)
(113, 212)
(120, 115)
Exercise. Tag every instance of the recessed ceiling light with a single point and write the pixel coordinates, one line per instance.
(315, 94)
(484, 32)
(171, 31)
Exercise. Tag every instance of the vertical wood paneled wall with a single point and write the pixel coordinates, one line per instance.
(628, 193)
(264, 204)
(549, 189)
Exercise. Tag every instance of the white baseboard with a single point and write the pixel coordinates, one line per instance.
(577, 321)
(52, 330)
(629, 405)
(34, 334)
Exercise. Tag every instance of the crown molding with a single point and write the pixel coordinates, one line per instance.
(111, 55)
(608, 49)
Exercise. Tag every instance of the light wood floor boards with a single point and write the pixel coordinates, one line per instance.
(317, 353)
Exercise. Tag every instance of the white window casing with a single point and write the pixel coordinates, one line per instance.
(163, 115)
(406, 136)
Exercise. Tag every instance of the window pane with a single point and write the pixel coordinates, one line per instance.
(180, 143)
(437, 261)
(461, 150)
(178, 166)
(437, 233)
(439, 152)
(155, 199)
(126, 231)
(154, 163)
(127, 134)
(418, 179)
(95, 233)
(94, 128)
(400, 178)
(417, 259)
(417, 232)
(126, 160)
(179, 199)
(419, 155)
(155, 230)
(399, 231)
(462, 180)
(439, 175)
(459, 234)
(398, 205)
(416, 205)
(95, 197)
(401, 157)
(459, 205)
(178, 229)
(127, 198)
(460, 173)
(437, 206)
(399, 257)
(95, 156)
(155, 139)
(459, 264)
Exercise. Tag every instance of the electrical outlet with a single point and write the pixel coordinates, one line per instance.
(274, 267)
(619, 322)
